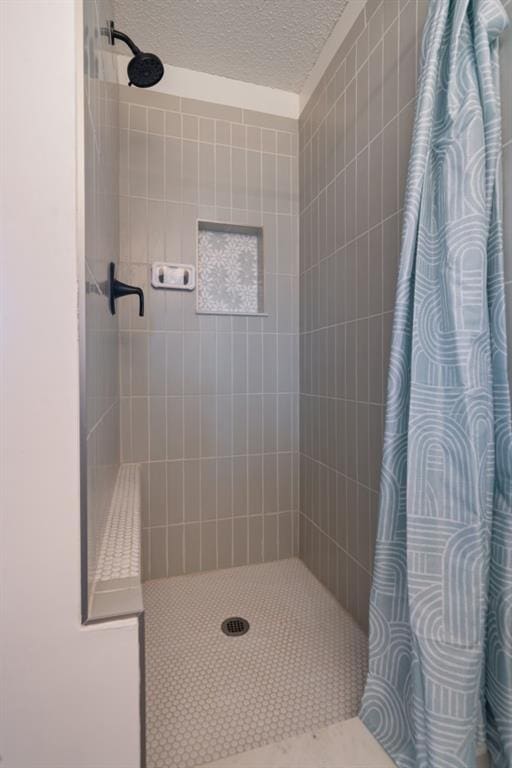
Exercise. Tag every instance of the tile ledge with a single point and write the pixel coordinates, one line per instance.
(116, 590)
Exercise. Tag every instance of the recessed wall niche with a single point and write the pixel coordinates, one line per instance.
(229, 269)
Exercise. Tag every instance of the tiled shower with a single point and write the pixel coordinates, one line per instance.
(209, 404)
(258, 438)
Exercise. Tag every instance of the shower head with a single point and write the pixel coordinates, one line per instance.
(145, 69)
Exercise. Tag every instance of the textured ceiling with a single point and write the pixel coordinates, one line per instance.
(268, 42)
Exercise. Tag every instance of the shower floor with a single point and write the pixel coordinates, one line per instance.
(302, 664)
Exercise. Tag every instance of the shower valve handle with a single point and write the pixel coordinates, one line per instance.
(117, 290)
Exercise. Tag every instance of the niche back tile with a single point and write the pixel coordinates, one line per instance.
(230, 269)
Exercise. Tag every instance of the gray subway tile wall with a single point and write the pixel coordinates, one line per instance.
(209, 404)
(506, 96)
(354, 135)
(355, 139)
(101, 245)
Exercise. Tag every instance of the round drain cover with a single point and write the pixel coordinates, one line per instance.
(235, 626)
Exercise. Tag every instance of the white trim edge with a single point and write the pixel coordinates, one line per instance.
(220, 90)
(340, 31)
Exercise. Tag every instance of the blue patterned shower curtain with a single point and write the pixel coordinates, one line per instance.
(440, 674)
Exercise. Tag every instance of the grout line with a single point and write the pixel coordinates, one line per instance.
(103, 417)
(307, 112)
(221, 519)
(309, 332)
(202, 117)
(357, 154)
(333, 541)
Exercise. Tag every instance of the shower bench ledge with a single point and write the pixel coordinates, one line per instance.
(116, 589)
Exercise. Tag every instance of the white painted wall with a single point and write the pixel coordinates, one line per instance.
(219, 90)
(69, 694)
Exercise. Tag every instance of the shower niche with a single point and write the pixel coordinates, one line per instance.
(229, 269)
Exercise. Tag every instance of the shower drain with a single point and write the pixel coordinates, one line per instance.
(235, 625)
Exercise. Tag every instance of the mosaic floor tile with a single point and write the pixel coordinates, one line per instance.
(302, 665)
